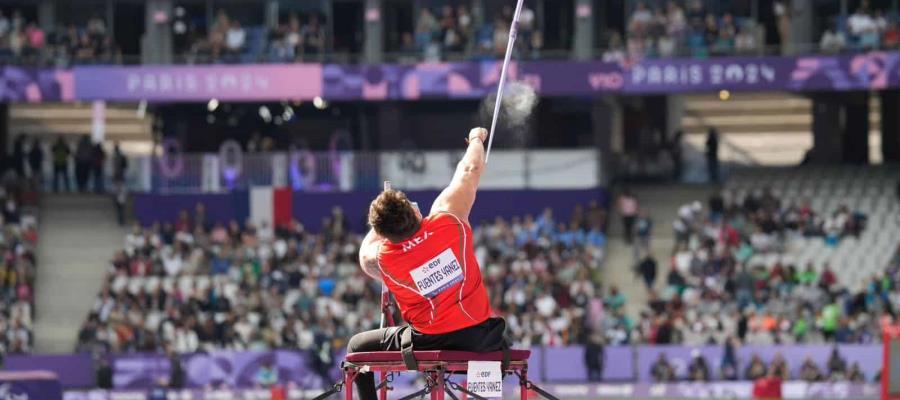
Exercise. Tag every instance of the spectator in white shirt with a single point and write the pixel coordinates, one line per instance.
(235, 38)
(172, 261)
(640, 18)
(832, 41)
(4, 24)
(863, 27)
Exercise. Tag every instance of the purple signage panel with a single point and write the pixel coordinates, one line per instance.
(716, 390)
(34, 85)
(567, 364)
(680, 357)
(199, 83)
(239, 369)
(139, 370)
(868, 71)
(35, 385)
(682, 75)
(461, 80)
(73, 370)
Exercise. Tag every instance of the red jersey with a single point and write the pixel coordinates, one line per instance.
(435, 277)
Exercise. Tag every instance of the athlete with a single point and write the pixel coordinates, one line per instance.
(428, 264)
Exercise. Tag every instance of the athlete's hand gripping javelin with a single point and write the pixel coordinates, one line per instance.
(457, 198)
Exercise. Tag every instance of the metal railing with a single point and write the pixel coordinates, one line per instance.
(306, 171)
(47, 59)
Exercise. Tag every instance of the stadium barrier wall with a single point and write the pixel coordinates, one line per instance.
(311, 208)
(624, 364)
(717, 390)
(73, 370)
(28, 385)
(344, 171)
(460, 80)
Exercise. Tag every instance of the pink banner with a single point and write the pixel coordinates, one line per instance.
(199, 83)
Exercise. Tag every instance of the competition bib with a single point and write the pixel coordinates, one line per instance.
(437, 274)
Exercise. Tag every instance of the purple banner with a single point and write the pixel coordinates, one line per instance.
(73, 370)
(35, 385)
(199, 83)
(870, 71)
(140, 370)
(548, 364)
(567, 364)
(467, 80)
(239, 369)
(35, 85)
(462, 80)
(662, 76)
(680, 357)
(790, 390)
(233, 369)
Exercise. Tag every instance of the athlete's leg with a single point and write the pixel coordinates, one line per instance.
(385, 339)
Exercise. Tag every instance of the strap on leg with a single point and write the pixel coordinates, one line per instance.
(406, 349)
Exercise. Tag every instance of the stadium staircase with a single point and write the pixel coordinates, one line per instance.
(662, 203)
(123, 123)
(78, 235)
(761, 128)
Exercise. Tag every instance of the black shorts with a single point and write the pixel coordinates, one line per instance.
(485, 337)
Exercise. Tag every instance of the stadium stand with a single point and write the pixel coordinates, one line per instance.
(17, 273)
(802, 255)
(868, 192)
(194, 285)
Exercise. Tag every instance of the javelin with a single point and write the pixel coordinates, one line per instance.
(385, 294)
(509, 48)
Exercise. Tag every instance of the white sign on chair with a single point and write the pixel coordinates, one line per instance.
(485, 379)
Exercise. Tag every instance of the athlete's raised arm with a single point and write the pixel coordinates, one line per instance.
(368, 254)
(459, 196)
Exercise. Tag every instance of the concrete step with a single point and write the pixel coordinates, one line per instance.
(78, 236)
(726, 120)
(662, 203)
(50, 120)
(74, 112)
(136, 131)
(738, 96)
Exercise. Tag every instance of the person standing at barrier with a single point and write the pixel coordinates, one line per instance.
(61, 152)
(36, 162)
(84, 155)
(712, 155)
(429, 265)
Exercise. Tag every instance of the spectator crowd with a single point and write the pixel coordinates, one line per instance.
(18, 239)
(20, 38)
(451, 32)
(714, 293)
(24, 40)
(865, 29)
(669, 29)
(698, 369)
(196, 285)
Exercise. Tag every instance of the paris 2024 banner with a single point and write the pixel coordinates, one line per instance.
(463, 80)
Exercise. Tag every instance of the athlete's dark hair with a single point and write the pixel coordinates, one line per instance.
(393, 216)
